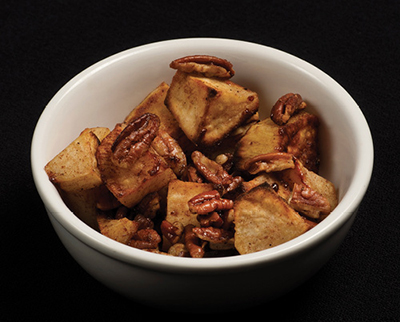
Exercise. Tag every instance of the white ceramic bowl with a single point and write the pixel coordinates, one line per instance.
(105, 93)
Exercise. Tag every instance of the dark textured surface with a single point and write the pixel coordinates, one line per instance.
(43, 44)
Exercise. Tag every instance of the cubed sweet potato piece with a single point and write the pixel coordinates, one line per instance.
(264, 220)
(75, 168)
(209, 109)
(121, 230)
(154, 103)
(83, 204)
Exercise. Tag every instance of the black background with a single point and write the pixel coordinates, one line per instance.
(43, 44)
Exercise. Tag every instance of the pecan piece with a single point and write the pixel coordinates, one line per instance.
(135, 139)
(309, 193)
(285, 107)
(193, 175)
(144, 222)
(269, 162)
(172, 232)
(308, 201)
(209, 66)
(207, 202)
(225, 160)
(212, 234)
(213, 219)
(169, 149)
(215, 173)
(145, 239)
(178, 250)
(149, 205)
(192, 243)
(209, 169)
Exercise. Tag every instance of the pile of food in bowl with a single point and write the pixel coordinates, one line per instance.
(193, 171)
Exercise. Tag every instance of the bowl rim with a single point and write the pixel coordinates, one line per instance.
(343, 212)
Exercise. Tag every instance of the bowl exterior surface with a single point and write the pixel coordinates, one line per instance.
(223, 291)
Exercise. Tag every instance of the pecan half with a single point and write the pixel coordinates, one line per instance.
(135, 139)
(269, 162)
(285, 107)
(209, 66)
(215, 173)
(207, 202)
(169, 149)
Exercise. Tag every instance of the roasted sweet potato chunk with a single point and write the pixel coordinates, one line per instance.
(75, 174)
(209, 109)
(75, 167)
(122, 230)
(154, 103)
(262, 138)
(178, 213)
(298, 137)
(83, 204)
(264, 220)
